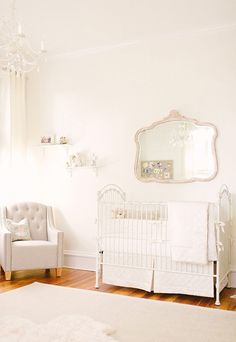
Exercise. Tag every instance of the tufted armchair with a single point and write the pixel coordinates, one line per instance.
(44, 250)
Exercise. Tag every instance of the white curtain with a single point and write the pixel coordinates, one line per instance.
(17, 120)
(12, 136)
(12, 120)
(4, 120)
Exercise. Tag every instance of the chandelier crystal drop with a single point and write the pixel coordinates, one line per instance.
(16, 52)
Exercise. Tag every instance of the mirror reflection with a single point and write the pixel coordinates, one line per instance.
(176, 149)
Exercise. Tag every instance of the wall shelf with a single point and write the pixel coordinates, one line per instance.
(66, 148)
(45, 145)
(70, 169)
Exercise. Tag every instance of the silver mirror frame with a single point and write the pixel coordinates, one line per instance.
(175, 116)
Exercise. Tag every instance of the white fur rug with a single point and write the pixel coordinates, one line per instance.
(133, 319)
(68, 328)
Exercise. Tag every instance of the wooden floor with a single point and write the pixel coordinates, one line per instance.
(86, 280)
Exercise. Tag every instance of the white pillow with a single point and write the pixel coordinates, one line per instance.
(19, 230)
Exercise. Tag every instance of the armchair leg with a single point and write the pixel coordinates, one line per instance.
(58, 272)
(8, 275)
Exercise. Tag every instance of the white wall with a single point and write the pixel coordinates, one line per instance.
(100, 99)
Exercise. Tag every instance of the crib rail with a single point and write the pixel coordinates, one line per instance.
(131, 233)
(135, 235)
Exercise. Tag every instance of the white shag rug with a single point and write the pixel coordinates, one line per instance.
(133, 319)
(68, 328)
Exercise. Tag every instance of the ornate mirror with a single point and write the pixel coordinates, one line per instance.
(176, 150)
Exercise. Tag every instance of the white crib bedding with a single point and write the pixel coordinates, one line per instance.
(158, 274)
(182, 283)
(152, 237)
(155, 246)
(128, 277)
(191, 231)
(158, 262)
(117, 245)
(137, 254)
(158, 281)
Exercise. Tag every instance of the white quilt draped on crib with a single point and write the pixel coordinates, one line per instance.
(190, 228)
(192, 239)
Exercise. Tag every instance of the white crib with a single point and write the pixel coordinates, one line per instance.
(134, 247)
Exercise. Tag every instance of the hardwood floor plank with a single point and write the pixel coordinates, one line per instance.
(86, 280)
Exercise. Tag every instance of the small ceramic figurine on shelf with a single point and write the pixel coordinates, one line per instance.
(63, 140)
(93, 160)
(74, 161)
(79, 160)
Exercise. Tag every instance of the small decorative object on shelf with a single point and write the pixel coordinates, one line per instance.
(93, 160)
(82, 160)
(63, 140)
(74, 161)
(46, 140)
(52, 140)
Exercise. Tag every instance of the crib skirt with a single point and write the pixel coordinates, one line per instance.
(128, 277)
(160, 281)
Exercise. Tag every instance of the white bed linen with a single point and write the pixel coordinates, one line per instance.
(128, 277)
(131, 242)
(188, 224)
(150, 237)
(160, 282)
(182, 283)
(168, 276)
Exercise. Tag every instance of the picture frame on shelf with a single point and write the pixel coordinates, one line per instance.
(46, 140)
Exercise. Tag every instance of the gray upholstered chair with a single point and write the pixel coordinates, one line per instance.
(44, 250)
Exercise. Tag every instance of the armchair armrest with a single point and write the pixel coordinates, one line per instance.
(55, 235)
(5, 248)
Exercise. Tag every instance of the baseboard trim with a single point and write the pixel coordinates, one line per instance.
(79, 260)
(233, 276)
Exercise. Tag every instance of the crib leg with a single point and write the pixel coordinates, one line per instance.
(217, 302)
(97, 271)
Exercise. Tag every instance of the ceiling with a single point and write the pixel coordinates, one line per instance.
(72, 25)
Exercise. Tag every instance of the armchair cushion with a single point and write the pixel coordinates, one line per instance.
(33, 254)
(19, 230)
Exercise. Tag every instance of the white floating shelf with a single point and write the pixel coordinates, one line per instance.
(50, 146)
(53, 145)
(71, 168)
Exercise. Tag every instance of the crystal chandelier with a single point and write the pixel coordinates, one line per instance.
(182, 134)
(16, 53)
